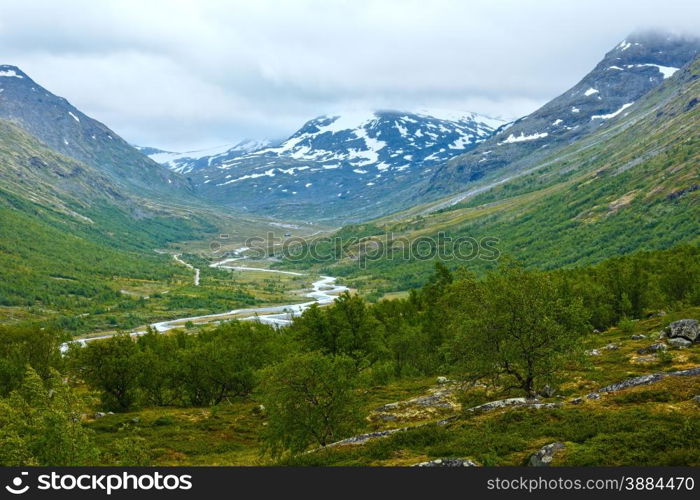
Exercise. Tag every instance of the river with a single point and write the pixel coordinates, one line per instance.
(323, 291)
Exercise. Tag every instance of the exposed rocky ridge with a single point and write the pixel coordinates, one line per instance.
(630, 70)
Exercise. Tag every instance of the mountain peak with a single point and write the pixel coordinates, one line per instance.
(658, 47)
(9, 71)
(65, 129)
(627, 72)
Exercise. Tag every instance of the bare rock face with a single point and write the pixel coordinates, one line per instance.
(545, 455)
(688, 329)
(447, 462)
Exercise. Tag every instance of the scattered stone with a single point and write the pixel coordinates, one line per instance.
(611, 347)
(442, 380)
(538, 406)
(502, 403)
(644, 360)
(363, 438)
(135, 420)
(639, 337)
(659, 314)
(447, 462)
(388, 407)
(110, 413)
(576, 401)
(547, 391)
(99, 414)
(596, 330)
(680, 342)
(593, 352)
(652, 348)
(688, 329)
(436, 400)
(593, 395)
(545, 455)
(696, 398)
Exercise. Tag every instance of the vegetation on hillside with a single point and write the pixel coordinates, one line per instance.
(317, 377)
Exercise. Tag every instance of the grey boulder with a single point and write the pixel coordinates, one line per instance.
(679, 342)
(688, 329)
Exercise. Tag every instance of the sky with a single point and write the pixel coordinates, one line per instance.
(184, 75)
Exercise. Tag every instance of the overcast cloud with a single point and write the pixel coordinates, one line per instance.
(188, 74)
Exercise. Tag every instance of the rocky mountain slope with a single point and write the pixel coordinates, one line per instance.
(65, 129)
(630, 70)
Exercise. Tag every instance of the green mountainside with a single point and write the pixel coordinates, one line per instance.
(633, 184)
(77, 248)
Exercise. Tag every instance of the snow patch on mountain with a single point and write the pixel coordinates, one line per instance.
(613, 114)
(523, 138)
(666, 71)
(10, 73)
(187, 161)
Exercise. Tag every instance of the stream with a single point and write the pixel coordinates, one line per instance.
(323, 291)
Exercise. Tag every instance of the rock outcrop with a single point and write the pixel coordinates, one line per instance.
(545, 455)
(679, 342)
(447, 462)
(688, 329)
(644, 380)
(652, 348)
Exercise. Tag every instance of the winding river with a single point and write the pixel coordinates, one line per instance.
(323, 291)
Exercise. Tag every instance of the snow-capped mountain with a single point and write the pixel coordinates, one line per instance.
(187, 161)
(347, 163)
(383, 140)
(630, 70)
